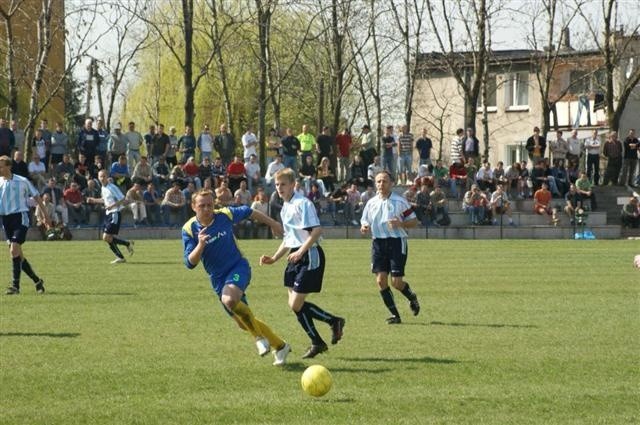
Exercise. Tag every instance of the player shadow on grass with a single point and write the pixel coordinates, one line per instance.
(98, 294)
(482, 325)
(425, 359)
(44, 334)
(299, 367)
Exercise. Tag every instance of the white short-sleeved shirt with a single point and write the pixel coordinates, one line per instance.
(110, 195)
(298, 218)
(14, 194)
(379, 211)
(248, 138)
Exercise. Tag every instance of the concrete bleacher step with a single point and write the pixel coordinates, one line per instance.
(460, 218)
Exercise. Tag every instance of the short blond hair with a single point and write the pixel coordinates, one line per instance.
(286, 174)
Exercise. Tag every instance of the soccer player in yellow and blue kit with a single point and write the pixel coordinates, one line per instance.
(208, 238)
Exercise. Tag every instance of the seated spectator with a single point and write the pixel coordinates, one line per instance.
(584, 188)
(188, 192)
(254, 174)
(439, 207)
(93, 200)
(49, 213)
(143, 172)
(174, 203)
(236, 173)
(326, 175)
(316, 196)
(500, 204)
(374, 168)
(525, 181)
(307, 173)
(273, 167)
(162, 173)
(224, 196)
(358, 172)
(120, 173)
(441, 174)
(485, 179)
(137, 204)
(191, 172)
(573, 173)
(177, 173)
(338, 203)
(153, 205)
(352, 202)
(472, 169)
(560, 178)
(57, 199)
(95, 167)
(242, 195)
(410, 195)
(299, 189)
(275, 206)
(425, 176)
(512, 176)
(474, 203)
(260, 203)
(367, 195)
(457, 179)
(218, 172)
(542, 203)
(423, 205)
(64, 170)
(19, 166)
(81, 171)
(75, 204)
(573, 202)
(499, 174)
(37, 172)
(630, 214)
(204, 170)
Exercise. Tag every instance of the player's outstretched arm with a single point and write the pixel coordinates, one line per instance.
(266, 260)
(261, 217)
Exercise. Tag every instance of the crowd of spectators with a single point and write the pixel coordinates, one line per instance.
(160, 171)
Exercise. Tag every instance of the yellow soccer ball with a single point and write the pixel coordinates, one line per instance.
(316, 380)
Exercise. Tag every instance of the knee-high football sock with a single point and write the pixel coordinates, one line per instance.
(246, 315)
(26, 267)
(306, 321)
(318, 313)
(407, 292)
(17, 268)
(274, 340)
(120, 241)
(115, 249)
(387, 298)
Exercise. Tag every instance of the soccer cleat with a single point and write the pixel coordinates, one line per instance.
(263, 346)
(118, 260)
(12, 290)
(414, 305)
(130, 247)
(40, 287)
(394, 320)
(314, 350)
(337, 328)
(280, 355)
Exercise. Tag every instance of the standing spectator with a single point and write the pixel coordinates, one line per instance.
(405, 155)
(57, 199)
(225, 144)
(424, 146)
(305, 268)
(457, 147)
(41, 148)
(118, 144)
(204, 143)
(92, 195)
(558, 148)
(389, 144)
(59, 144)
(386, 217)
(103, 139)
(15, 192)
(160, 144)
(324, 144)
(113, 201)
(172, 160)
(18, 134)
(7, 139)
(88, 139)
(134, 144)
(612, 150)
(249, 143)
(631, 149)
(307, 143)
(592, 146)
(187, 145)
(75, 204)
(290, 150)
(367, 146)
(575, 147)
(343, 142)
(536, 145)
(148, 141)
(471, 148)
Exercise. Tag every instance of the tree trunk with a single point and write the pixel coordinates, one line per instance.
(187, 16)
(264, 22)
(222, 70)
(338, 71)
(12, 98)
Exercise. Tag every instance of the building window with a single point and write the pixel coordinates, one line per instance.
(492, 88)
(517, 90)
(585, 82)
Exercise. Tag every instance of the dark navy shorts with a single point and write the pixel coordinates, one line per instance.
(389, 256)
(16, 227)
(306, 275)
(112, 223)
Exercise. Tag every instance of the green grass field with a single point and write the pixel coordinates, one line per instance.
(511, 332)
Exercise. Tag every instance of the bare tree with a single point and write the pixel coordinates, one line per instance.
(7, 12)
